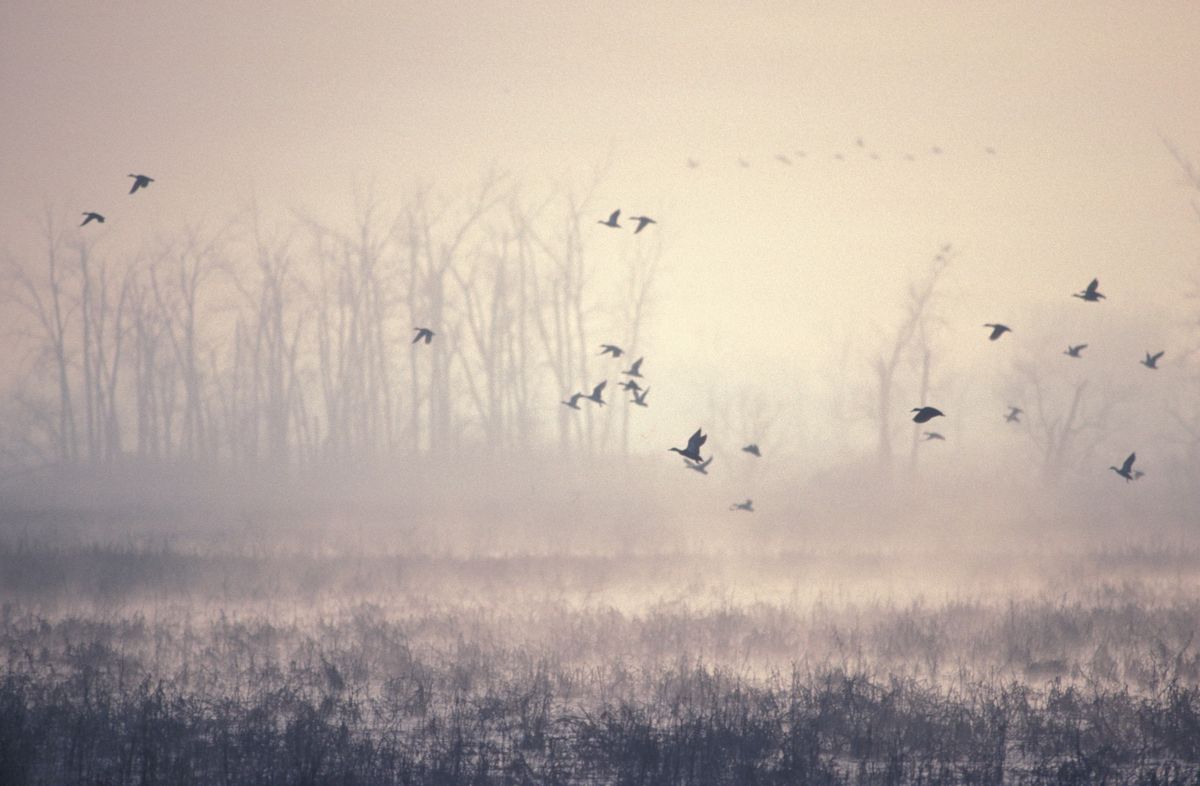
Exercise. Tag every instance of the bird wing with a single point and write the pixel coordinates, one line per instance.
(613, 218)
(136, 184)
(1091, 288)
(697, 440)
(1128, 462)
(596, 391)
(1156, 357)
(637, 366)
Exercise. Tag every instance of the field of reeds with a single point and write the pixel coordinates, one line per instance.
(138, 662)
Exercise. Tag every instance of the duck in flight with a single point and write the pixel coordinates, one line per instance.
(1126, 469)
(1151, 361)
(692, 163)
(611, 349)
(423, 333)
(699, 466)
(925, 414)
(631, 385)
(90, 217)
(636, 369)
(752, 449)
(597, 393)
(932, 435)
(692, 451)
(639, 398)
(642, 222)
(747, 506)
(781, 158)
(998, 330)
(1090, 294)
(1073, 351)
(573, 402)
(612, 220)
(1014, 415)
(140, 181)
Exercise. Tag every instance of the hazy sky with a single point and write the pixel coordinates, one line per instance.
(770, 266)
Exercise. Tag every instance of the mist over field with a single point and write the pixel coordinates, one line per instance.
(336, 402)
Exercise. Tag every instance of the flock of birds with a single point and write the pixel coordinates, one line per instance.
(693, 460)
(785, 159)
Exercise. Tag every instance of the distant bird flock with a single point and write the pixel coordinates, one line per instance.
(693, 460)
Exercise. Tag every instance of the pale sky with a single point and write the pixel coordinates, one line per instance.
(771, 267)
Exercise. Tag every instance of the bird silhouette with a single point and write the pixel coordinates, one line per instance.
(692, 451)
(642, 222)
(860, 142)
(612, 220)
(781, 158)
(639, 398)
(925, 414)
(1151, 361)
(631, 384)
(743, 163)
(636, 369)
(692, 163)
(932, 435)
(1074, 351)
(937, 151)
(423, 333)
(597, 393)
(998, 330)
(140, 181)
(747, 506)
(752, 449)
(1090, 294)
(611, 349)
(1138, 474)
(90, 217)
(573, 402)
(1125, 470)
(698, 466)
(1014, 415)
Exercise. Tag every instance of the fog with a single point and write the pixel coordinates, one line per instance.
(213, 411)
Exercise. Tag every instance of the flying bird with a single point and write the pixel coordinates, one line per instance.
(642, 222)
(611, 349)
(781, 158)
(925, 414)
(631, 384)
(1014, 415)
(636, 369)
(692, 451)
(612, 220)
(597, 393)
(932, 435)
(752, 449)
(1074, 351)
(1090, 294)
(573, 402)
(1151, 361)
(997, 330)
(692, 163)
(423, 333)
(743, 163)
(90, 217)
(639, 398)
(747, 506)
(140, 181)
(1125, 470)
(699, 466)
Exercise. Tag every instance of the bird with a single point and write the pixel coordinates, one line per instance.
(1074, 351)
(743, 163)
(932, 435)
(639, 398)
(747, 506)
(89, 217)
(991, 151)
(699, 466)
(636, 369)
(1151, 361)
(692, 163)
(573, 402)
(781, 158)
(860, 142)
(998, 330)
(423, 333)
(926, 413)
(642, 222)
(937, 151)
(692, 451)
(597, 392)
(140, 181)
(611, 349)
(1125, 470)
(1138, 474)
(1014, 415)
(752, 449)
(1090, 294)
(631, 384)
(612, 220)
